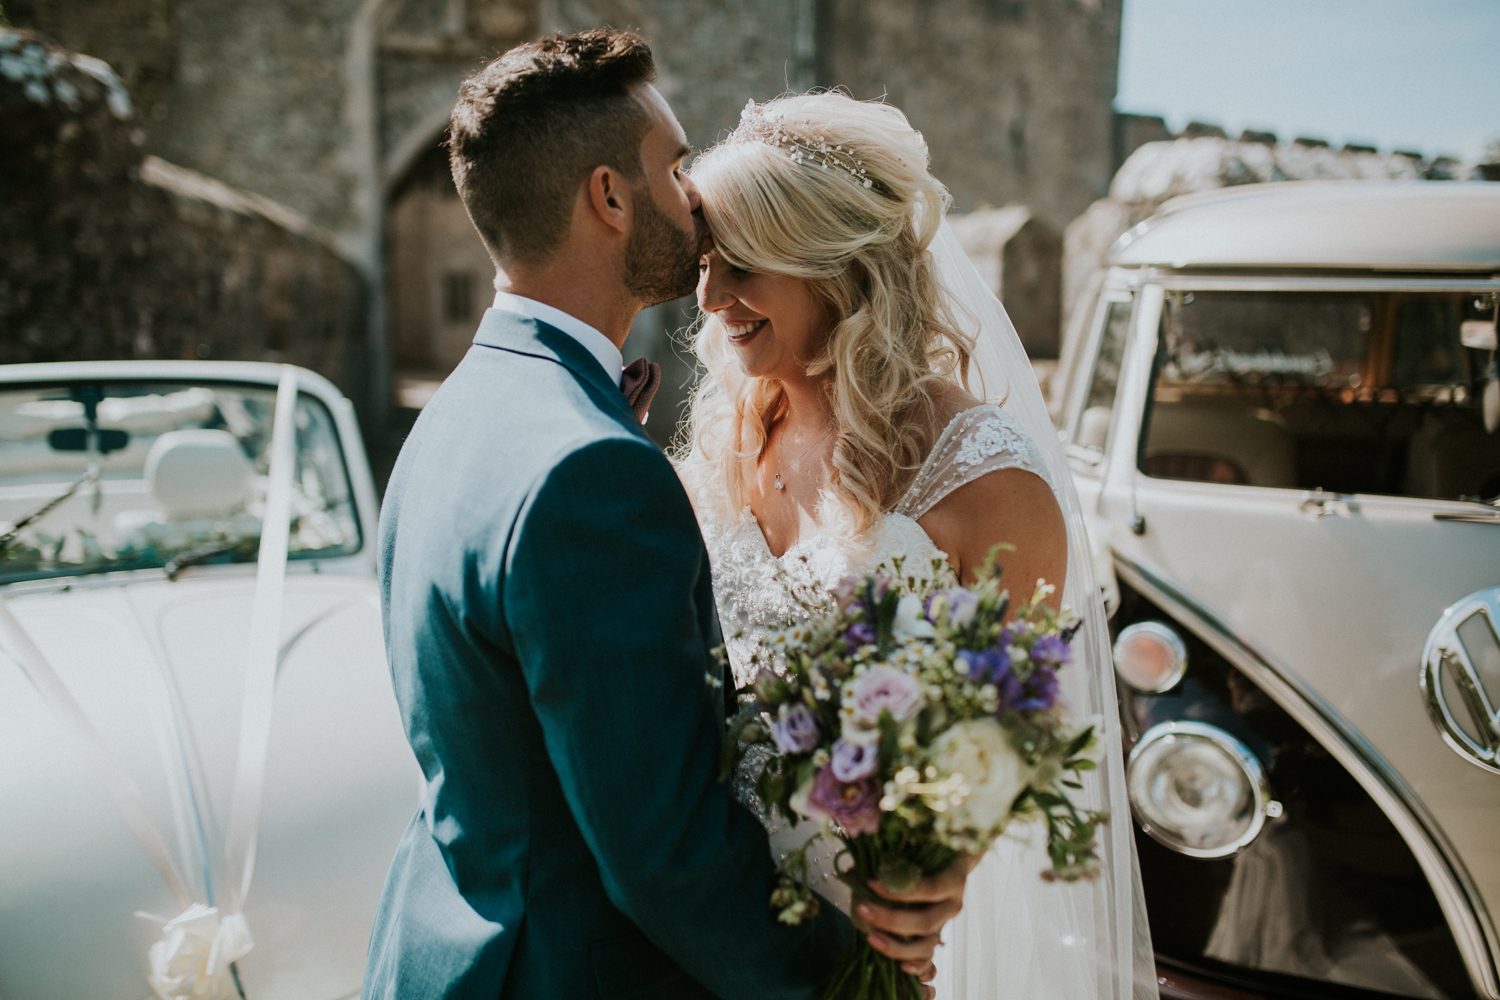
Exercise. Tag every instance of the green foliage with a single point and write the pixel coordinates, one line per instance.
(929, 812)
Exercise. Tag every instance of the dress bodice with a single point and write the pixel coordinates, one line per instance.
(754, 589)
(756, 592)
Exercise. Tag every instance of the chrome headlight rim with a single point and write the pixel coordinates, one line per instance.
(1264, 806)
(1177, 650)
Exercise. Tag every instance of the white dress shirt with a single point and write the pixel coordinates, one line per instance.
(596, 343)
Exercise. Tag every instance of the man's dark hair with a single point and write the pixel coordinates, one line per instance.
(530, 126)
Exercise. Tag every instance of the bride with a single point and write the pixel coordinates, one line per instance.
(868, 404)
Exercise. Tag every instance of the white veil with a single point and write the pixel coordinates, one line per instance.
(1019, 936)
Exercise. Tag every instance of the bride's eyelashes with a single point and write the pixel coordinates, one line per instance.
(733, 269)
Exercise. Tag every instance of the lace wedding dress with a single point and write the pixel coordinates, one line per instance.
(753, 588)
(1018, 937)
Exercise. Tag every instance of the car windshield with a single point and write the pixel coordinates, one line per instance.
(99, 477)
(1377, 393)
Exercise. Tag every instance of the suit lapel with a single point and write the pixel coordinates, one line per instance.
(507, 331)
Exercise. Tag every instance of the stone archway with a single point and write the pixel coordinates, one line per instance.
(438, 277)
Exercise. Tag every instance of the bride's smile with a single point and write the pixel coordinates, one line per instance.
(774, 322)
(740, 333)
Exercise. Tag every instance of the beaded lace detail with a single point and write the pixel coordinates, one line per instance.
(754, 589)
(977, 441)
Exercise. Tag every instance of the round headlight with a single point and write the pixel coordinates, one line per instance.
(1150, 657)
(1198, 790)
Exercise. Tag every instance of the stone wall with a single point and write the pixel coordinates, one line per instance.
(1020, 258)
(327, 106)
(1013, 96)
(106, 253)
(321, 105)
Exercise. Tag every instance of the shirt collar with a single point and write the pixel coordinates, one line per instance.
(596, 343)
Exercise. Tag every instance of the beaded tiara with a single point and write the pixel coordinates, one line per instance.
(805, 145)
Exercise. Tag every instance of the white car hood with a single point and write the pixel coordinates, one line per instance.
(158, 668)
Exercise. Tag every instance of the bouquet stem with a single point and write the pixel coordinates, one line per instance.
(866, 974)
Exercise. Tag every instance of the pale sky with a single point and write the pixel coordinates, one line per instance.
(1421, 75)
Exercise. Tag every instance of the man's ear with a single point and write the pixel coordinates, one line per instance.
(609, 198)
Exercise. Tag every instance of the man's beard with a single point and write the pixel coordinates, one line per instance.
(661, 261)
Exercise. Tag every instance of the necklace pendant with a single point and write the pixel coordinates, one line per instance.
(778, 483)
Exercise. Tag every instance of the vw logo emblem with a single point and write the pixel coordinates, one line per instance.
(1463, 649)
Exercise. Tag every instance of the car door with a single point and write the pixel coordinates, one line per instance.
(1299, 461)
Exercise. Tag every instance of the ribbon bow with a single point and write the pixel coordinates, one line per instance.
(191, 961)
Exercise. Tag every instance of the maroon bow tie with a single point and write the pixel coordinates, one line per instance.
(639, 382)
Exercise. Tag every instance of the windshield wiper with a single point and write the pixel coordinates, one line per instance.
(203, 553)
(47, 508)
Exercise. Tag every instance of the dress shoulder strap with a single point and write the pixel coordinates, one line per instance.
(979, 440)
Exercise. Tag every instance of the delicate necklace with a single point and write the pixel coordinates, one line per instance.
(777, 483)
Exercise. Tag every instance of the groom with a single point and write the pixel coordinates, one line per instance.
(547, 601)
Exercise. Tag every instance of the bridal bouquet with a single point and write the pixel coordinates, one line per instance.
(916, 727)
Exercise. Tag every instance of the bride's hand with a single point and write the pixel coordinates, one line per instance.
(911, 933)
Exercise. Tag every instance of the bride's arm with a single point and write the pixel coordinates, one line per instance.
(1008, 505)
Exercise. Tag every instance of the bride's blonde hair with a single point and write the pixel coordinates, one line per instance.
(837, 192)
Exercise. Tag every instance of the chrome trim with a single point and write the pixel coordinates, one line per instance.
(1462, 906)
(1083, 377)
(1445, 648)
(1167, 634)
(1474, 518)
(1265, 807)
(1321, 503)
(1291, 283)
(1129, 236)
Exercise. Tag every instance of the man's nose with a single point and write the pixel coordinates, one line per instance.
(694, 197)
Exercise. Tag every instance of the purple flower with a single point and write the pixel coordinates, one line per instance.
(985, 666)
(1051, 650)
(853, 761)
(961, 604)
(884, 689)
(854, 805)
(859, 634)
(795, 729)
(1035, 694)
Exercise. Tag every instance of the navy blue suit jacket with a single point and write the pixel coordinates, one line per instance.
(549, 618)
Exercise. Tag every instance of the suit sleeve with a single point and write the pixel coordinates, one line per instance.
(601, 596)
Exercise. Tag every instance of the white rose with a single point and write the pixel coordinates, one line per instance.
(994, 772)
(910, 622)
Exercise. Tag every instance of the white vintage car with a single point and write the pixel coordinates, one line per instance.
(1282, 408)
(131, 504)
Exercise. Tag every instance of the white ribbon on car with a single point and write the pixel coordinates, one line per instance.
(192, 960)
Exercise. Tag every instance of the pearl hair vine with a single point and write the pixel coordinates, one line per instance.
(807, 148)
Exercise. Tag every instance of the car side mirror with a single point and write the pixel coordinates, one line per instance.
(77, 439)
